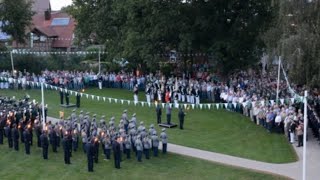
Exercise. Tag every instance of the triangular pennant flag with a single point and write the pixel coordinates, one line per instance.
(92, 96)
(66, 90)
(162, 105)
(71, 92)
(81, 94)
(87, 96)
(292, 100)
(226, 105)
(98, 97)
(135, 103)
(142, 103)
(192, 105)
(129, 102)
(75, 93)
(37, 83)
(32, 83)
(170, 105)
(185, 106)
(61, 89)
(116, 100)
(209, 106)
(56, 88)
(282, 101)
(104, 99)
(244, 104)
(234, 105)
(109, 100)
(149, 104)
(217, 105)
(121, 101)
(46, 85)
(272, 102)
(28, 82)
(200, 105)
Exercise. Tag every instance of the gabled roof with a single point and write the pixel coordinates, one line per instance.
(63, 32)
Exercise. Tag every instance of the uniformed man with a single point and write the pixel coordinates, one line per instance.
(116, 152)
(127, 144)
(15, 134)
(84, 141)
(164, 140)
(181, 115)
(2, 125)
(146, 146)
(73, 115)
(168, 112)
(44, 144)
(90, 154)
(66, 149)
(139, 148)
(53, 139)
(96, 149)
(107, 147)
(61, 96)
(9, 134)
(37, 129)
(27, 139)
(155, 144)
(67, 97)
(78, 97)
(159, 112)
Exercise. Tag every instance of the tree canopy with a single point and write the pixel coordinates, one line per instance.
(138, 30)
(16, 16)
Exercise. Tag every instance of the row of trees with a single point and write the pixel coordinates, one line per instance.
(295, 36)
(138, 30)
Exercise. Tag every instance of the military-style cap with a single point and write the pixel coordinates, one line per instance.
(81, 111)
(134, 114)
(94, 115)
(151, 125)
(163, 129)
(125, 111)
(87, 113)
(103, 116)
(141, 122)
(73, 110)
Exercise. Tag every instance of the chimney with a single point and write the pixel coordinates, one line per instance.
(47, 15)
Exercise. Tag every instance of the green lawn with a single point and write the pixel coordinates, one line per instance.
(18, 165)
(213, 130)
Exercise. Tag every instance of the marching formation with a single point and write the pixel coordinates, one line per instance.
(20, 120)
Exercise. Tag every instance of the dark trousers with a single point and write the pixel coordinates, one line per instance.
(147, 153)
(1, 136)
(16, 144)
(181, 124)
(107, 153)
(300, 140)
(66, 157)
(84, 147)
(10, 142)
(90, 164)
(117, 160)
(158, 118)
(75, 145)
(155, 151)
(27, 147)
(139, 155)
(38, 141)
(164, 148)
(54, 147)
(128, 153)
(168, 118)
(45, 152)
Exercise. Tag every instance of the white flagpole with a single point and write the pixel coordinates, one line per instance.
(12, 62)
(278, 83)
(99, 57)
(42, 102)
(305, 124)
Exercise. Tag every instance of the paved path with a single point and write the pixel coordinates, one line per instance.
(291, 170)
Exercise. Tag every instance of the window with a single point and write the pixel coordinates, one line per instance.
(60, 21)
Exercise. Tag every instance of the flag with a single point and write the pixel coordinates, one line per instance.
(217, 105)
(209, 106)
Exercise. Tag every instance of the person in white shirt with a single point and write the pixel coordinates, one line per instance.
(278, 122)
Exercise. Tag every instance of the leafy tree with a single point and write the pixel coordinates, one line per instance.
(16, 16)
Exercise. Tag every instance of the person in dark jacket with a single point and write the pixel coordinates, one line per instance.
(44, 144)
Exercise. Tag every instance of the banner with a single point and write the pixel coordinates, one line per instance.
(217, 105)
(209, 106)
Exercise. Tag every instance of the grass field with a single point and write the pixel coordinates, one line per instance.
(213, 130)
(18, 165)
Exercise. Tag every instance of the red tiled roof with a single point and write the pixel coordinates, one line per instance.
(62, 32)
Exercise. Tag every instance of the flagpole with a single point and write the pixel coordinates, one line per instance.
(278, 82)
(42, 102)
(99, 57)
(305, 124)
(12, 62)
